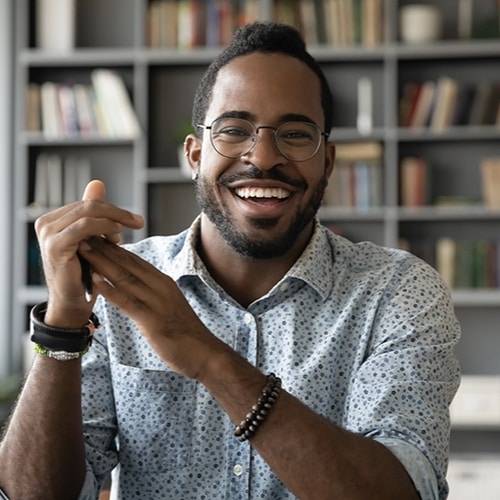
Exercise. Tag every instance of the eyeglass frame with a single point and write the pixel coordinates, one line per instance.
(274, 129)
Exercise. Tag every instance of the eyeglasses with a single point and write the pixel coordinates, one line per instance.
(236, 137)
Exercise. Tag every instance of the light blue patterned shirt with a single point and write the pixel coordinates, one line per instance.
(361, 334)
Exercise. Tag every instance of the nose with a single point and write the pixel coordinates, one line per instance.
(264, 154)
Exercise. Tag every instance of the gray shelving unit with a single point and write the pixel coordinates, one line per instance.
(143, 174)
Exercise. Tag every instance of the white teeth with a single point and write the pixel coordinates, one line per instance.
(262, 192)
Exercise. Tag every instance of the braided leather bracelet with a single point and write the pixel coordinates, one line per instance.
(248, 427)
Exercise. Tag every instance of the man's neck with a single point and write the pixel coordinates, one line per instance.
(243, 278)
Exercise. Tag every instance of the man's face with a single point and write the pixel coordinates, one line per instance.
(263, 204)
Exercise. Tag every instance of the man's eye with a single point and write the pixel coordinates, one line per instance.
(295, 134)
(234, 131)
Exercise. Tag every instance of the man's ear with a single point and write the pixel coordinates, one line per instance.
(192, 151)
(329, 159)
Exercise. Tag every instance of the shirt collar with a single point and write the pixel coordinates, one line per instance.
(314, 266)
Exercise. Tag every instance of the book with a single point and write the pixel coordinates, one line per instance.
(464, 27)
(103, 125)
(414, 183)
(408, 101)
(320, 21)
(332, 23)
(41, 188)
(307, 21)
(33, 122)
(76, 174)
(168, 26)
(115, 103)
(70, 175)
(480, 103)
(423, 105)
(445, 259)
(352, 151)
(84, 175)
(67, 105)
(493, 105)
(490, 178)
(84, 110)
(463, 103)
(185, 25)
(54, 180)
(443, 112)
(372, 22)
(153, 24)
(464, 267)
(50, 111)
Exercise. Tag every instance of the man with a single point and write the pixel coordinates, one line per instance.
(358, 338)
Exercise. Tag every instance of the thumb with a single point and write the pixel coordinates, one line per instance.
(95, 190)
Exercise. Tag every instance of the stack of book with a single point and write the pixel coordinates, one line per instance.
(356, 181)
(102, 108)
(447, 102)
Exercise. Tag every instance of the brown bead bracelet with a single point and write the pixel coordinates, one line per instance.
(248, 427)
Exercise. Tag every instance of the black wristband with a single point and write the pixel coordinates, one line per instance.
(60, 339)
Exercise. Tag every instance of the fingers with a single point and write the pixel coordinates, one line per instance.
(61, 231)
(124, 278)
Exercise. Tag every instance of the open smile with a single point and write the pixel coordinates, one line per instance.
(261, 193)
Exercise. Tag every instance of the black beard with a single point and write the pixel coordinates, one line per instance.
(239, 241)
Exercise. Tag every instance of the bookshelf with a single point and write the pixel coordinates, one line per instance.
(142, 172)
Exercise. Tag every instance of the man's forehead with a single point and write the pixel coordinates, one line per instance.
(267, 81)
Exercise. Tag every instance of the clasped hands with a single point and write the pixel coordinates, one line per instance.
(91, 229)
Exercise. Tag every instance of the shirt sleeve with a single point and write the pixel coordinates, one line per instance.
(99, 417)
(409, 375)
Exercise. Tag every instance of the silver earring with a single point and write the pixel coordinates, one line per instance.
(194, 176)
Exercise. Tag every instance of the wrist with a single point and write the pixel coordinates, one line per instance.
(58, 339)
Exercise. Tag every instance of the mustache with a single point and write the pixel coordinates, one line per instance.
(274, 174)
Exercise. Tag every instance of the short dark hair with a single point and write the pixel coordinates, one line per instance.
(265, 37)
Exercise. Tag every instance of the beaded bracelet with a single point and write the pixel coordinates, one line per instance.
(248, 427)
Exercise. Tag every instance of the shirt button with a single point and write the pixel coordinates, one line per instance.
(283, 286)
(238, 470)
(247, 318)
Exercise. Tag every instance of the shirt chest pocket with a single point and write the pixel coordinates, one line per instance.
(154, 411)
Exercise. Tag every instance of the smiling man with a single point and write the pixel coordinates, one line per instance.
(256, 355)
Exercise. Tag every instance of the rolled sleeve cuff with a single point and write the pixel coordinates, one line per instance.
(90, 488)
(417, 466)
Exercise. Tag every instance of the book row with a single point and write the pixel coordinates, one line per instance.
(196, 23)
(462, 263)
(445, 102)
(357, 180)
(417, 186)
(102, 108)
(58, 181)
(357, 177)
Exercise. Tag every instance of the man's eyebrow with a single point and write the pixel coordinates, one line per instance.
(237, 114)
(296, 117)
